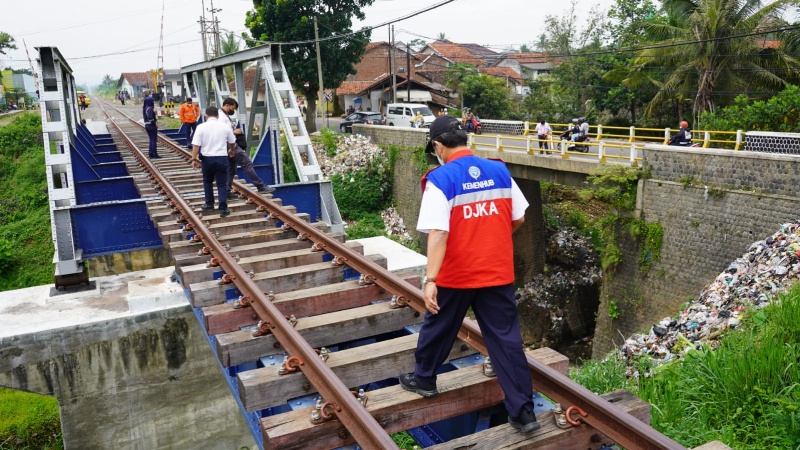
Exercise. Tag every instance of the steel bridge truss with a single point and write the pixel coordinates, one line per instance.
(94, 205)
(268, 120)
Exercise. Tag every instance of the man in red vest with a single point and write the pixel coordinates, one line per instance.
(470, 208)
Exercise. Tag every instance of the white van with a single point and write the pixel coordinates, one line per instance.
(401, 114)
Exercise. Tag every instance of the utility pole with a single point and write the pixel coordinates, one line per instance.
(408, 73)
(322, 103)
(394, 66)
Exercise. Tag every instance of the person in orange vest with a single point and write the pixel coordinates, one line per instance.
(188, 114)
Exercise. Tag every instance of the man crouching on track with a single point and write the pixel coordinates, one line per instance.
(214, 141)
(470, 208)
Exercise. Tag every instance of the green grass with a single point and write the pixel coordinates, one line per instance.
(745, 393)
(28, 421)
(24, 213)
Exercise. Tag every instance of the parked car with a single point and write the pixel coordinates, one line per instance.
(401, 114)
(366, 117)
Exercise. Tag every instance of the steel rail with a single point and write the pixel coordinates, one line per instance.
(603, 416)
(359, 422)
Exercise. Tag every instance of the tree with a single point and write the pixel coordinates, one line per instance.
(715, 64)
(456, 75)
(229, 45)
(292, 21)
(418, 44)
(108, 86)
(524, 48)
(441, 37)
(6, 43)
(488, 96)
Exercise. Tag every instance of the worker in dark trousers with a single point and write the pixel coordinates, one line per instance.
(150, 125)
(470, 208)
(241, 157)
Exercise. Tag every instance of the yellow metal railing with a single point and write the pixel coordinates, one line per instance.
(530, 145)
(725, 139)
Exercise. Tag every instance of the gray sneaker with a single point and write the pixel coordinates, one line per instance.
(266, 189)
(409, 382)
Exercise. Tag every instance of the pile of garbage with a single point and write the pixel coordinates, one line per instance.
(395, 226)
(557, 307)
(769, 267)
(353, 152)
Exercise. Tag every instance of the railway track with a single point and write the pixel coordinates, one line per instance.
(294, 312)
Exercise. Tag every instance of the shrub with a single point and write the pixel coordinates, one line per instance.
(368, 225)
(21, 134)
(329, 141)
(780, 113)
(367, 190)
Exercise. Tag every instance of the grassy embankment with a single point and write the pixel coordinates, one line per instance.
(745, 393)
(27, 421)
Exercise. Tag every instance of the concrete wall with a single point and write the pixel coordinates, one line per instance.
(750, 195)
(143, 382)
(117, 263)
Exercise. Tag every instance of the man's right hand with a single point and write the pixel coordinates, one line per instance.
(431, 304)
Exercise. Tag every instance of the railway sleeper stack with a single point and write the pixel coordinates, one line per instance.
(371, 340)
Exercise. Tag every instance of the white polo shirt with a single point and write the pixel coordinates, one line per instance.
(213, 137)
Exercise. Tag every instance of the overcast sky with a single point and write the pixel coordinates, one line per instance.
(98, 38)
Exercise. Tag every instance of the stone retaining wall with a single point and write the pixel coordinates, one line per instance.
(705, 229)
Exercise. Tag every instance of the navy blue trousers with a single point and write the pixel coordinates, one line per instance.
(152, 132)
(242, 159)
(496, 311)
(190, 127)
(215, 168)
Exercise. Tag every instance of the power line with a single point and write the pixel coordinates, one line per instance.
(363, 30)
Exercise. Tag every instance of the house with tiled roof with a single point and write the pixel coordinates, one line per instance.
(528, 65)
(473, 54)
(134, 83)
(371, 86)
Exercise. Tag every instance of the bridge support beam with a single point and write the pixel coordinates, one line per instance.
(141, 381)
(529, 240)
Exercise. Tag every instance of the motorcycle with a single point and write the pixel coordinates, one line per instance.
(473, 125)
(572, 145)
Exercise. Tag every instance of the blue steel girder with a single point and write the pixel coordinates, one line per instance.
(112, 227)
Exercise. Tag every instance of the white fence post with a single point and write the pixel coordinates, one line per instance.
(633, 134)
(738, 140)
(601, 152)
(667, 132)
(707, 139)
(528, 143)
(633, 156)
(499, 143)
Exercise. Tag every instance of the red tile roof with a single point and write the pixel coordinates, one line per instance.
(353, 87)
(458, 53)
(139, 79)
(528, 58)
(503, 72)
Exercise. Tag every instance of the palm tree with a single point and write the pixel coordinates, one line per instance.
(227, 46)
(715, 63)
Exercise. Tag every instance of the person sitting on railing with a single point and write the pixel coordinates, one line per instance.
(684, 137)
